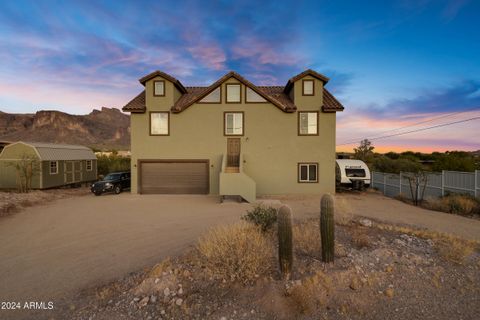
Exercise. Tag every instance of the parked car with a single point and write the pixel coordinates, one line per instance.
(113, 182)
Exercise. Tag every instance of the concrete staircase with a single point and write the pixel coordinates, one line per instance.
(234, 182)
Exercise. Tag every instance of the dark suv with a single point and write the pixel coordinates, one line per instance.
(113, 182)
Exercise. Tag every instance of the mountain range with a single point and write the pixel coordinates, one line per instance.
(104, 129)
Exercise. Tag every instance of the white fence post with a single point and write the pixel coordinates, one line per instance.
(443, 183)
(384, 184)
(400, 187)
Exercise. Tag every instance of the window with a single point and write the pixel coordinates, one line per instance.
(308, 123)
(358, 173)
(233, 124)
(159, 88)
(308, 88)
(233, 93)
(213, 97)
(159, 123)
(89, 165)
(53, 167)
(252, 96)
(307, 172)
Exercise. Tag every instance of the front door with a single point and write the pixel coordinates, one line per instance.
(233, 152)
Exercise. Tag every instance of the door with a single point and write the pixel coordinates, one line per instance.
(233, 152)
(174, 176)
(68, 169)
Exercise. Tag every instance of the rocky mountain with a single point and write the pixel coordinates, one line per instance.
(102, 129)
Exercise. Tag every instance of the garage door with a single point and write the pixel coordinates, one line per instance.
(174, 177)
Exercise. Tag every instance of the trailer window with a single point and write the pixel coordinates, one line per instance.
(358, 173)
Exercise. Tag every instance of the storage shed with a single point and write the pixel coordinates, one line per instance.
(55, 164)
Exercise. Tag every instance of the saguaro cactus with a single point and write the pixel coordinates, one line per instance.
(327, 227)
(285, 241)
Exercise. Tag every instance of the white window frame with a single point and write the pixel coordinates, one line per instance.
(88, 164)
(151, 124)
(315, 133)
(304, 81)
(235, 122)
(239, 92)
(56, 167)
(155, 93)
(307, 165)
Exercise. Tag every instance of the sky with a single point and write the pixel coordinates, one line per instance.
(396, 66)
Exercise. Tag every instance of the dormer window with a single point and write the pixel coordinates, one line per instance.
(233, 93)
(159, 88)
(308, 88)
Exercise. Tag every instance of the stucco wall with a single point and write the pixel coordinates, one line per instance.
(270, 146)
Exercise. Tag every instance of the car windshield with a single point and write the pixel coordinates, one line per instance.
(112, 176)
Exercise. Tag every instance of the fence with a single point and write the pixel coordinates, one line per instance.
(437, 183)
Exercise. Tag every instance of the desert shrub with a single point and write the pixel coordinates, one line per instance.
(454, 203)
(261, 216)
(454, 250)
(113, 163)
(238, 252)
(312, 292)
(360, 239)
(343, 212)
(306, 237)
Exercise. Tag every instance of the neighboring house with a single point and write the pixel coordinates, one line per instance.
(57, 164)
(233, 137)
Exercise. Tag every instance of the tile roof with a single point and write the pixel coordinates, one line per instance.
(277, 95)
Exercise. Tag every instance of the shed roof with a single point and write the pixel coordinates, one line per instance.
(54, 151)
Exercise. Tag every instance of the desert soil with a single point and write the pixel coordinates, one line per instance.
(55, 250)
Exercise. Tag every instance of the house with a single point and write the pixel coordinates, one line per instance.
(233, 138)
(53, 165)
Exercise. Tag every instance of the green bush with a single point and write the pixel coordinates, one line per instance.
(263, 217)
(113, 163)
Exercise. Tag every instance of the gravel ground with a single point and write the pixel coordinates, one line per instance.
(377, 274)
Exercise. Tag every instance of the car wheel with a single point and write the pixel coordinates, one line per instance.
(97, 193)
(118, 189)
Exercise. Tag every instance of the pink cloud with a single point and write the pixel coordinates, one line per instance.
(209, 54)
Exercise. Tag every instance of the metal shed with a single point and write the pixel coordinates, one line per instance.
(56, 164)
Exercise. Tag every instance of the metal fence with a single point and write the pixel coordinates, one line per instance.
(437, 183)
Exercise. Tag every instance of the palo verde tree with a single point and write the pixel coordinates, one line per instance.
(26, 168)
(364, 151)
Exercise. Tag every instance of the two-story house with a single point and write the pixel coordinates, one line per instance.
(233, 138)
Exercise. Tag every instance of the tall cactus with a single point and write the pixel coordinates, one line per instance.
(327, 228)
(285, 241)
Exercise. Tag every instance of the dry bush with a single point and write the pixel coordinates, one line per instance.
(343, 212)
(454, 250)
(454, 203)
(311, 293)
(360, 239)
(237, 252)
(306, 237)
(158, 270)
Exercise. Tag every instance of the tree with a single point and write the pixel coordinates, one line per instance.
(364, 151)
(26, 167)
(418, 183)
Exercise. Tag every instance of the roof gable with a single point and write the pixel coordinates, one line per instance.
(308, 72)
(164, 75)
(183, 104)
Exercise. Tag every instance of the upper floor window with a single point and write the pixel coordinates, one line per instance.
(233, 124)
(308, 88)
(252, 96)
(213, 97)
(53, 167)
(159, 123)
(89, 165)
(159, 88)
(308, 123)
(233, 93)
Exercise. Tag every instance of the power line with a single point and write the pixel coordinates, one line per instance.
(417, 130)
(415, 124)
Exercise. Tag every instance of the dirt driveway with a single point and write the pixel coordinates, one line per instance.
(52, 250)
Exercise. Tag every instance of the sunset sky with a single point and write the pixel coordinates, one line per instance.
(407, 64)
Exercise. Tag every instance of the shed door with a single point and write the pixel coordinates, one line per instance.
(174, 177)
